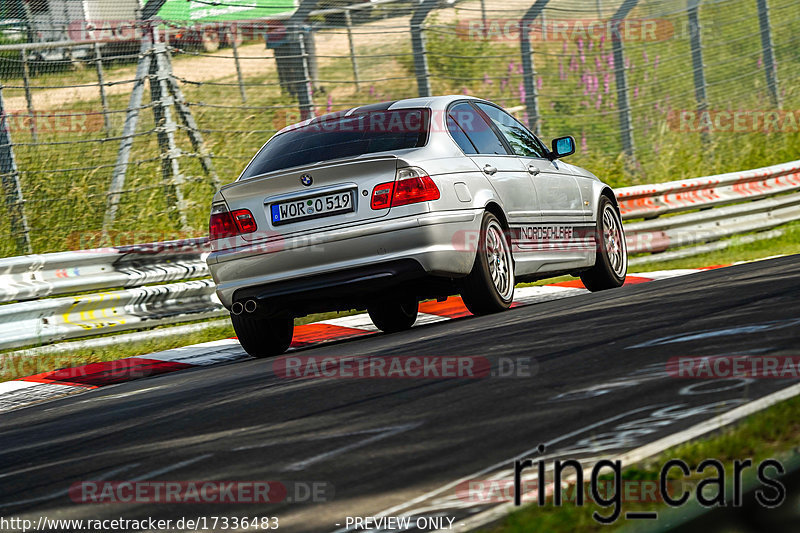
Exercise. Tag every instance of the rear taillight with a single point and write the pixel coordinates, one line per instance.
(224, 224)
(411, 185)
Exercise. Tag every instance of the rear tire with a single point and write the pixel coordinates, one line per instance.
(264, 337)
(394, 316)
(489, 287)
(611, 262)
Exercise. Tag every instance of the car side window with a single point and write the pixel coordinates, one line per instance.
(522, 141)
(476, 129)
(460, 137)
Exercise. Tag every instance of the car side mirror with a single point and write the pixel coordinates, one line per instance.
(562, 147)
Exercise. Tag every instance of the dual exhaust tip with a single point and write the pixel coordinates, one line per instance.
(249, 307)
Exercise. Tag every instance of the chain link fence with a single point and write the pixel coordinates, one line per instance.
(121, 118)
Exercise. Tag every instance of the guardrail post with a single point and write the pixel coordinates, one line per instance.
(528, 67)
(26, 80)
(349, 23)
(418, 46)
(12, 191)
(128, 132)
(101, 81)
(621, 77)
(767, 50)
(698, 67)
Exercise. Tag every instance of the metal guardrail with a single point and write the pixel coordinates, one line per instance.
(38, 276)
(758, 188)
(646, 201)
(38, 312)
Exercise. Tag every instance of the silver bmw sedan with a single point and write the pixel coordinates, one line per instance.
(384, 205)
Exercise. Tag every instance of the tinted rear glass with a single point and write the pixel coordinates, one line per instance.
(338, 137)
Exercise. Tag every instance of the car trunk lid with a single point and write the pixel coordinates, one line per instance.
(287, 202)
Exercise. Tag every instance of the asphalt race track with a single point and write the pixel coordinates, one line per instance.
(597, 386)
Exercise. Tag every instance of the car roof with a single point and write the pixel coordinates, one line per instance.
(432, 102)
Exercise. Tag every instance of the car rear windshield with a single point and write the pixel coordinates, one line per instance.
(338, 137)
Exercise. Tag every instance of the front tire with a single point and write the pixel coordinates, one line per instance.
(489, 287)
(263, 337)
(394, 316)
(611, 263)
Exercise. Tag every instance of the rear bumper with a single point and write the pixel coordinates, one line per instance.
(375, 255)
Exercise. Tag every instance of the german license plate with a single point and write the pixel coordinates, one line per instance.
(314, 207)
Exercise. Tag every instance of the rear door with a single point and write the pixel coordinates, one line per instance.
(504, 170)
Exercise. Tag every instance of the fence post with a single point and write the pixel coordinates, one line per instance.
(768, 52)
(528, 67)
(418, 46)
(101, 81)
(235, 45)
(697, 62)
(348, 22)
(26, 80)
(621, 78)
(128, 132)
(12, 191)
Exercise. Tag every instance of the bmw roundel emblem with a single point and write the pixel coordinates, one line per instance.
(306, 179)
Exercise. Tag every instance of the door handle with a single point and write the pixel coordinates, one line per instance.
(533, 170)
(489, 169)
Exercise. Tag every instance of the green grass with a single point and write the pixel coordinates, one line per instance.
(17, 366)
(772, 433)
(788, 243)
